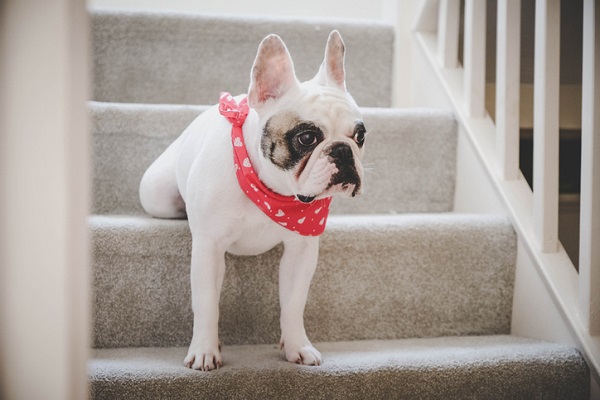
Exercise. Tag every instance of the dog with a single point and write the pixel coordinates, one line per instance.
(255, 171)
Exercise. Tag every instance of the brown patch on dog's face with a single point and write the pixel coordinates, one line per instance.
(287, 141)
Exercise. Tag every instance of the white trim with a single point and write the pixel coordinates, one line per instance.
(589, 249)
(545, 123)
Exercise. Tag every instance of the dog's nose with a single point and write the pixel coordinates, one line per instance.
(342, 152)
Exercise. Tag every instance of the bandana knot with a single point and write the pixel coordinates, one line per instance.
(235, 113)
(306, 219)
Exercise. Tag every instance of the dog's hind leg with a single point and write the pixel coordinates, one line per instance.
(159, 193)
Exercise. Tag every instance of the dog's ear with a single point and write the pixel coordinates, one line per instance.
(332, 71)
(272, 73)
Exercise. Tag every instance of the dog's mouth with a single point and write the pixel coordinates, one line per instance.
(305, 199)
(344, 189)
(348, 189)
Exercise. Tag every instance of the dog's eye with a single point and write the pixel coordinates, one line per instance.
(359, 133)
(307, 138)
(359, 137)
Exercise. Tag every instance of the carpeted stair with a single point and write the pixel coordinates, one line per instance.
(409, 300)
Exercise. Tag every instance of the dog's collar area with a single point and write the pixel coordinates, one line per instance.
(301, 214)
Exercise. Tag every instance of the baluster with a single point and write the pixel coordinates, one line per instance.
(508, 83)
(448, 29)
(545, 123)
(589, 246)
(474, 57)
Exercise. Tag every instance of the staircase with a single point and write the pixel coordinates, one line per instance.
(410, 300)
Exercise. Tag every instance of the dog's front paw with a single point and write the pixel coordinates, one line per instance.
(204, 359)
(305, 355)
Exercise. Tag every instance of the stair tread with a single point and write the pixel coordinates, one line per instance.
(488, 367)
(405, 275)
(185, 58)
(414, 148)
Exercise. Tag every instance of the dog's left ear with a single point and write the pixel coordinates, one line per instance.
(332, 71)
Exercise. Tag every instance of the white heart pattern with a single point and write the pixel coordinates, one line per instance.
(247, 163)
(280, 213)
(283, 223)
(237, 142)
(253, 186)
(301, 220)
(268, 205)
(318, 210)
(322, 221)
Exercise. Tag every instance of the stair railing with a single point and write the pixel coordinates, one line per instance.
(534, 213)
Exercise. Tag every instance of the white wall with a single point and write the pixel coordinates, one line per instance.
(44, 330)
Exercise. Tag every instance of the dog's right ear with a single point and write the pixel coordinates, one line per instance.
(332, 71)
(272, 73)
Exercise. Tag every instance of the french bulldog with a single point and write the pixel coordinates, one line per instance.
(300, 144)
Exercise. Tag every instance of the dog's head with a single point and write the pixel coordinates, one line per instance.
(313, 136)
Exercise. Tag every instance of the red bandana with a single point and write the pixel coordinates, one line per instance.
(306, 219)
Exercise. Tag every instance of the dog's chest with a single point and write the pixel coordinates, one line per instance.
(256, 234)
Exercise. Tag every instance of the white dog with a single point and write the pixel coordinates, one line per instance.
(256, 171)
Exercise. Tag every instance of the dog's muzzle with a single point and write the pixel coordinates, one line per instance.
(342, 155)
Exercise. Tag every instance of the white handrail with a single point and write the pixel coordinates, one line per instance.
(589, 247)
(545, 123)
(508, 84)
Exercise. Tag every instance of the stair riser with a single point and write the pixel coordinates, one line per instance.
(190, 59)
(393, 278)
(413, 149)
